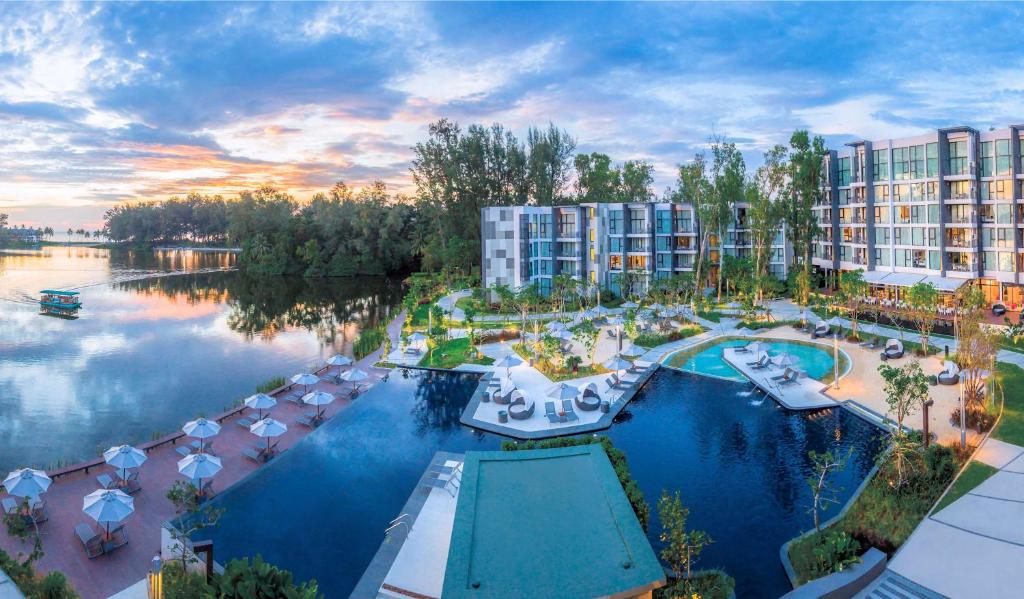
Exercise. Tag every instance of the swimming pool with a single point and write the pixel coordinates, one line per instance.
(739, 461)
(814, 359)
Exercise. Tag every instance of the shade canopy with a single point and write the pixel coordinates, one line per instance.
(947, 284)
(108, 506)
(304, 378)
(555, 325)
(630, 305)
(508, 361)
(755, 347)
(316, 398)
(562, 334)
(417, 337)
(631, 349)
(199, 466)
(268, 427)
(785, 359)
(615, 320)
(562, 391)
(617, 362)
(27, 482)
(339, 360)
(600, 311)
(260, 401)
(353, 375)
(124, 457)
(201, 428)
(656, 306)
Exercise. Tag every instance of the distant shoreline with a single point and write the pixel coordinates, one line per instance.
(109, 245)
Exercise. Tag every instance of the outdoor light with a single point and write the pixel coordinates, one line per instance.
(156, 578)
(835, 359)
(963, 412)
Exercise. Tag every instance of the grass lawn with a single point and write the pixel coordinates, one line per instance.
(765, 324)
(421, 315)
(973, 475)
(1011, 426)
(559, 374)
(450, 354)
(713, 316)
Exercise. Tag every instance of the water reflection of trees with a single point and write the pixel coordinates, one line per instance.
(264, 306)
(440, 400)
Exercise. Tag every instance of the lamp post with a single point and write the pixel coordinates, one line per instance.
(835, 359)
(963, 414)
(927, 436)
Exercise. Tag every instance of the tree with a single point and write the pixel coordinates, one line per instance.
(728, 180)
(523, 300)
(549, 154)
(823, 465)
(259, 580)
(693, 187)
(852, 291)
(596, 179)
(977, 346)
(682, 546)
(906, 389)
(922, 299)
(586, 334)
(806, 160)
(765, 212)
(192, 518)
(635, 181)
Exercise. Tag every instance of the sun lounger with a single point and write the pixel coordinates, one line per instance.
(761, 362)
(820, 330)
(252, 454)
(91, 541)
(183, 451)
(306, 420)
(10, 506)
(521, 411)
(118, 538)
(570, 414)
(207, 447)
(105, 482)
(245, 422)
(621, 383)
(131, 484)
(448, 484)
(785, 375)
(549, 411)
(893, 349)
(294, 398)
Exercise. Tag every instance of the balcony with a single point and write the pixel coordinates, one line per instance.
(969, 243)
(570, 232)
(963, 266)
(961, 219)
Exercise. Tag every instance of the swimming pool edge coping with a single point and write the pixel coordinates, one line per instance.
(383, 560)
(603, 423)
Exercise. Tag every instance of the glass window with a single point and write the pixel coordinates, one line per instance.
(844, 197)
(881, 194)
(1004, 214)
(901, 193)
(637, 262)
(615, 262)
(615, 222)
(881, 214)
(1005, 262)
(959, 190)
(958, 158)
(1002, 157)
(615, 244)
(880, 165)
(663, 261)
(933, 213)
(664, 243)
(934, 261)
(882, 235)
(844, 171)
(932, 150)
(901, 163)
(996, 190)
(663, 221)
(881, 257)
(637, 218)
(916, 162)
(987, 158)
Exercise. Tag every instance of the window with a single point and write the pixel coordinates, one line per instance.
(684, 243)
(881, 194)
(614, 262)
(881, 214)
(637, 262)
(959, 190)
(637, 218)
(1004, 214)
(545, 249)
(881, 257)
(1000, 237)
(844, 172)
(959, 214)
(567, 224)
(882, 236)
(996, 190)
(901, 193)
(879, 166)
(664, 243)
(663, 261)
(684, 223)
(844, 197)
(908, 163)
(638, 244)
(987, 158)
(1005, 262)
(932, 152)
(615, 222)
(958, 158)
(663, 221)
(615, 245)
(933, 214)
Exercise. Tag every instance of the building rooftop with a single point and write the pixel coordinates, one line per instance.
(546, 523)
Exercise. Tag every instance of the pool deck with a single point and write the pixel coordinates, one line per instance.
(483, 415)
(412, 558)
(108, 574)
(804, 394)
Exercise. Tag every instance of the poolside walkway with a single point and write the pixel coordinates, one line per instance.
(108, 574)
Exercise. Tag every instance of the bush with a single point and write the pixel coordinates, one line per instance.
(835, 551)
(980, 420)
(495, 335)
(259, 580)
(368, 342)
(52, 586)
(615, 455)
(181, 585)
(270, 384)
(656, 339)
(706, 584)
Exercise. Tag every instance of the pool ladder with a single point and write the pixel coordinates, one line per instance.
(405, 519)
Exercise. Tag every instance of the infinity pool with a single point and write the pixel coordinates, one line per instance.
(739, 461)
(706, 359)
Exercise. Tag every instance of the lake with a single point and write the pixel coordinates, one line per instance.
(163, 337)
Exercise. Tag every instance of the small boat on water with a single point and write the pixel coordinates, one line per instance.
(55, 302)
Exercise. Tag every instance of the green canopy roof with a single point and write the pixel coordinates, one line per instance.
(546, 523)
(58, 292)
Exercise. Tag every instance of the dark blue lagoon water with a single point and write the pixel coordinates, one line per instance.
(163, 337)
(739, 461)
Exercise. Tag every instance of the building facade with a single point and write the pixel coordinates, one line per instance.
(945, 207)
(618, 246)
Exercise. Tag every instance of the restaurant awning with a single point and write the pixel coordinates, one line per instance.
(902, 279)
(875, 277)
(946, 284)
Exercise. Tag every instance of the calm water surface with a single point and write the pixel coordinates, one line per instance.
(154, 347)
(739, 461)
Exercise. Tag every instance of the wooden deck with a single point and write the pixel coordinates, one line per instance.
(804, 394)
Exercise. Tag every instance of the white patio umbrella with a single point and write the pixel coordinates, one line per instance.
(339, 360)
(268, 428)
(27, 482)
(617, 363)
(353, 376)
(755, 347)
(555, 325)
(630, 305)
(201, 429)
(656, 307)
(317, 398)
(562, 391)
(123, 458)
(785, 360)
(600, 311)
(631, 349)
(260, 402)
(108, 507)
(416, 337)
(507, 362)
(198, 466)
(305, 379)
(835, 322)
(562, 334)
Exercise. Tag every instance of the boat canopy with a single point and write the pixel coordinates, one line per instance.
(58, 292)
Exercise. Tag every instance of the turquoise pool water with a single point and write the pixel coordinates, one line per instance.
(816, 361)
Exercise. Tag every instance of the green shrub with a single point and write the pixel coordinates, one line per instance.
(270, 384)
(259, 580)
(615, 455)
(835, 551)
(368, 341)
(178, 584)
(656, 339)
(706, 584)
(52, 586)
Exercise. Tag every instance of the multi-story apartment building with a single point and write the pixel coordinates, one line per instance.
(601, 242)
(946, 207)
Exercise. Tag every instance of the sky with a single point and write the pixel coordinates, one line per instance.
(120, 102)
